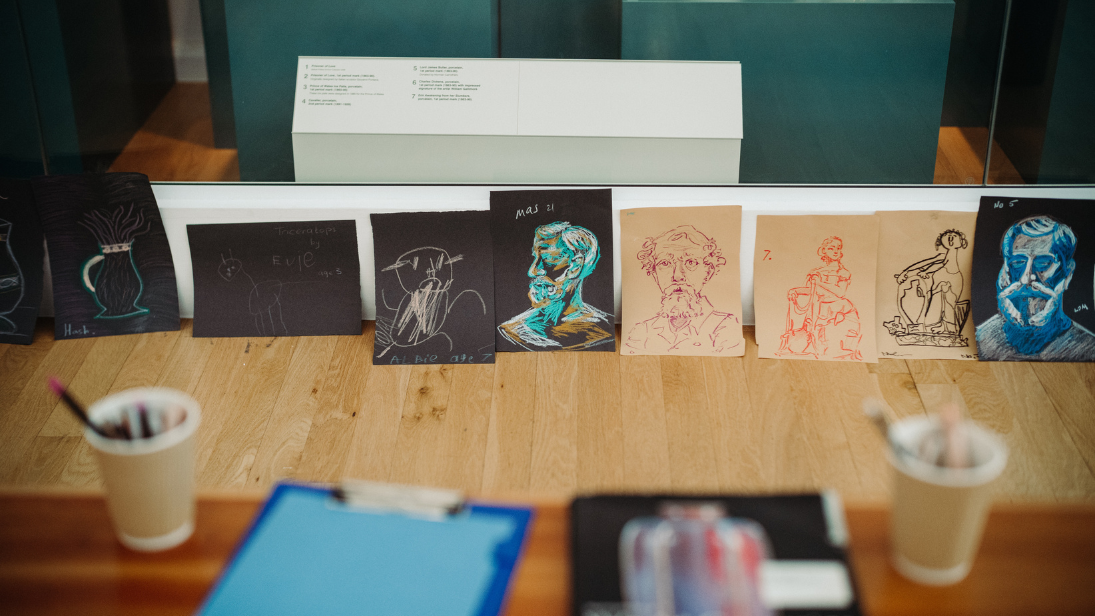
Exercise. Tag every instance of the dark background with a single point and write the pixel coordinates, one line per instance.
(25, 242)
(993, 222)
(458, 233)
(311, 304)
(62, 202)
(513, 238)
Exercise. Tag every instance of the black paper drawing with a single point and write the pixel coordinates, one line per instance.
(1034, 263)
(276, 279)
(929, 297)
(553, 270)
(21, 255)
(108, 253)
(116, 284)
(434, 288)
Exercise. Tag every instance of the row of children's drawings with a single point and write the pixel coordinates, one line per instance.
(535, 274)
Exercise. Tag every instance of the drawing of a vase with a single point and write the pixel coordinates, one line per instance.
(11, 280)
(117, 284)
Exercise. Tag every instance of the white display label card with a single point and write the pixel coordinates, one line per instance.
(544, 98)
(805, 584)
(410, 96)
(678, 100)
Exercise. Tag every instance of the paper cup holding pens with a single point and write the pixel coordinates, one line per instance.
(149, 480)
(939, 512)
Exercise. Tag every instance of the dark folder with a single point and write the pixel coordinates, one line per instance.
(801, 527)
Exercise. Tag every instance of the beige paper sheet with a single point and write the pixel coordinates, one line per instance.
(809, 308)
(681, 281)
(924, 284)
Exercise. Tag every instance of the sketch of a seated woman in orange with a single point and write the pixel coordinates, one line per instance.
(821, 321)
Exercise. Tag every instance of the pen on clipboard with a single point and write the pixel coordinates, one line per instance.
(433, 503)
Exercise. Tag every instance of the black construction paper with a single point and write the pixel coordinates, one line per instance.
(553, 292)
(434, 288)
(108, 255)
(276, 279)
(21, 257)
(1054, 326)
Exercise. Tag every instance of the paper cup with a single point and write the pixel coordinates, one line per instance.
(939, 513)
(149, 481)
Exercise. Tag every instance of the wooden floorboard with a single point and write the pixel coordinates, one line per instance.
(645, 442)
(1048, 438)
(341, 399)
(985, 400)
(282, 445)
(600, 422)
(783, 436)
(1074, 402)
(376, 427)
(316, 409)
(23, 420)
(689, 425)
(419, 441)
(176, 142)
(960, 158)
(508, 459)
(735, 424)
(463, 442)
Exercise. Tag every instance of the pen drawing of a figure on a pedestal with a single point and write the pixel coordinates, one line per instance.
(932, 311)
(821, 321)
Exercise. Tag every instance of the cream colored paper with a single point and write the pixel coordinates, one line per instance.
(814, 287)
(681, 281)
(924, 284)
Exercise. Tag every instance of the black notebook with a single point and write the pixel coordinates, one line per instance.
(803, 529)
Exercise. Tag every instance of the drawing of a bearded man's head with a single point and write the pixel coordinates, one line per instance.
(681, 261)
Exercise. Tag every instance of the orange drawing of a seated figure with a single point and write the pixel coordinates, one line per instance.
(821, 321)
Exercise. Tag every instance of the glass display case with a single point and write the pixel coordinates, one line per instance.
(834, 91)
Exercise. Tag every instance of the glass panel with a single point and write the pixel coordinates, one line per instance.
(834, 91)
(967, 100)
(1044, 125)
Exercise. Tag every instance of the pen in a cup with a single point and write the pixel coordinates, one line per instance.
(132, 421)
(948, 445)
(78, 410)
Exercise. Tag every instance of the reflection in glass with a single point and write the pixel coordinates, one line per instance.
(113, 91)
(11, 280)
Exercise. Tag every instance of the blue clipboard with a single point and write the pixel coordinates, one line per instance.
(307, 552)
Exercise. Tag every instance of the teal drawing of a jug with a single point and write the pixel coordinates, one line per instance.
(116, 284)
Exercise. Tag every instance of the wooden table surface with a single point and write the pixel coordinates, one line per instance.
(316, 409)
(58, 555)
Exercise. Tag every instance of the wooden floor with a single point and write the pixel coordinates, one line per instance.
(176, 145)
(547, 424)
(960, 158)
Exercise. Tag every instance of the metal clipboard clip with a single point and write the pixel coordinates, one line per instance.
(431, 503)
